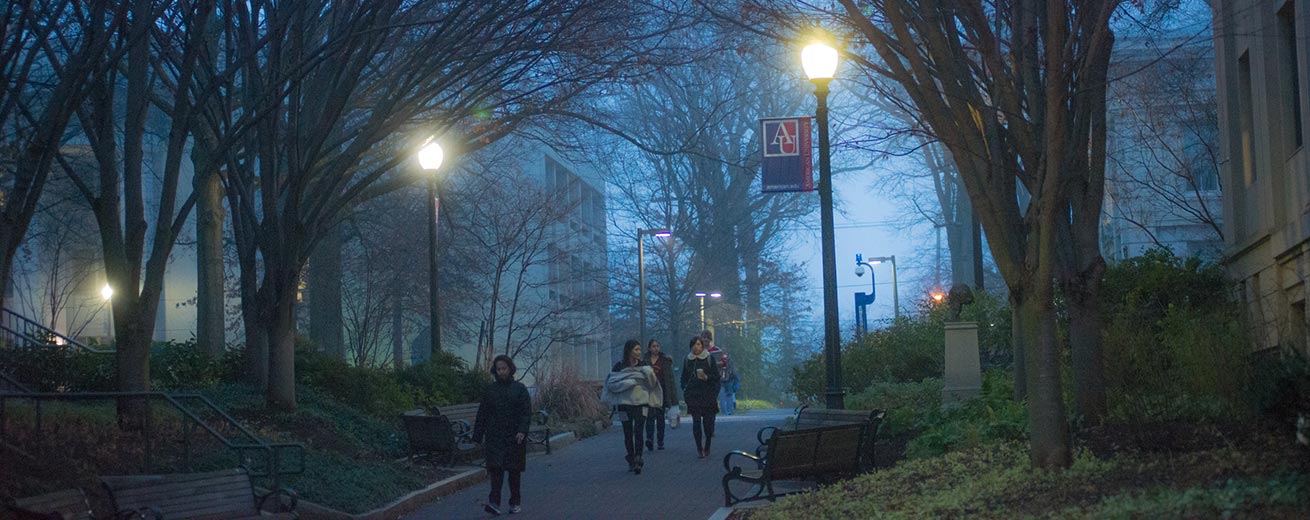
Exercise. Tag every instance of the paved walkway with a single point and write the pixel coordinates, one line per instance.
(590, 479)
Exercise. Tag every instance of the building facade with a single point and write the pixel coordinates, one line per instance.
(1162, 175)
(1261, 63)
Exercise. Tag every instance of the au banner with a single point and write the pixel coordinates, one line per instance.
(787, 161)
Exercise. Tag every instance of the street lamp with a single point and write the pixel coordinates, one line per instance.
(430, 157)
(702, 295)
(820, 62)
(107, 294)
(859, 271)
(641, 269)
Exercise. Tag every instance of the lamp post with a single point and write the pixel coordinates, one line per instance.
(107, 294)
(820, 62)
(641, 270)
(430, 158)
(896, 301)
(702, 295)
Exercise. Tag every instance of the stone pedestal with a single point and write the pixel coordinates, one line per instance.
(963, 369)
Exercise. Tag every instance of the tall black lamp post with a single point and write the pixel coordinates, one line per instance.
(430, 158)
(641, 269)
(820, 62)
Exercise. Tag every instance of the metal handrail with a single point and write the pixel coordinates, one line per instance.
(272, 469)
(8, 316)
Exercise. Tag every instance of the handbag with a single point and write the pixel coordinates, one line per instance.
(674, 416)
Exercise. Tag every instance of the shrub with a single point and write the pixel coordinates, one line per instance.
(372, 391)
(1175, 345)
(744, 405)
(568, 398)
(994, 417)
(180, 365)
(443, 380)
(906, 404)
(59, 368)
(910, 350)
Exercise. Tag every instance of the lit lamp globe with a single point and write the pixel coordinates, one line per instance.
(431, 155)
(107, 292)
(819, 61)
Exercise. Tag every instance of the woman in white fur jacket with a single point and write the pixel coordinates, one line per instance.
(633, 388)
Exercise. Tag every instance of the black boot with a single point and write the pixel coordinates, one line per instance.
(637, 467)
(632, 464)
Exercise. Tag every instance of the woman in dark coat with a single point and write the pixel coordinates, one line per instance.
(663, 365)
(501, 427)
(700, 389)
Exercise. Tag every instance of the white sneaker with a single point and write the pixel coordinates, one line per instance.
(495, 511)
(515, 510)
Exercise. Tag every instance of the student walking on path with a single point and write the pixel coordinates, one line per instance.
(662, 364)
(501, 426)
(727, 374)
(633, 389)
(700, 389)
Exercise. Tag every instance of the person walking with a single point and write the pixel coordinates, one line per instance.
(633, 390)
(728, 370)
(501, 427)
(662, 364)
(700, 389)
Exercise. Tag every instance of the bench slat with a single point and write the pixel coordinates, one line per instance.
(221, 494)
(69, 503)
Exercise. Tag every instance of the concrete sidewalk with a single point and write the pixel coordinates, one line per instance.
(590, 479)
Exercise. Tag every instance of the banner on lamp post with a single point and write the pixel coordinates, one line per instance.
(787, 154)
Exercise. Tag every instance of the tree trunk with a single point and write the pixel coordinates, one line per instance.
(211, 335)
(9, 239)
(282, 352)
(325, 320)
(1049, 427)
(1082, 292)
(133, 327)
(256, 357)
(1022, 315)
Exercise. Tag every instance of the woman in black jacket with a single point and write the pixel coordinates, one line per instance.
(663, 365)
(501, 427)
(700, 388)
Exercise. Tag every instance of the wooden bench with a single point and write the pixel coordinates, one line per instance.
(427, 432)
(69, 504)
(226, 494)
(807, 418)
(814, 454)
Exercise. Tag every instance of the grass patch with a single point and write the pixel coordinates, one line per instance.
(746, 405)
(1261, 476)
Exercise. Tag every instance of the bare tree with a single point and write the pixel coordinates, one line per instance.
(343, 90)
(49, 51)
(141, 106)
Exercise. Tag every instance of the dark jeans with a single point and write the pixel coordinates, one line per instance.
(699, 424)
(655, 423)
(497, 478)
(632, 427)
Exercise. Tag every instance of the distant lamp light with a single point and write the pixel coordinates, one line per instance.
(700, 295)
(107, 292)
(937, 296)
(662, 233)
(716, 294)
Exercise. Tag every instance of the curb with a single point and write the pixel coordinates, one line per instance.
(419, 498)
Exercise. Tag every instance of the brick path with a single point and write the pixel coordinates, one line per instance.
(589, 479)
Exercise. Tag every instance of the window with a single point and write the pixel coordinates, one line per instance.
(1246, 124)
(1199, 140)
(1291, 70)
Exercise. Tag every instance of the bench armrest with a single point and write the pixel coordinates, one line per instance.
(541, 416)
(760, 435)
(280, 492)
(759, 461)
(463, 432)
